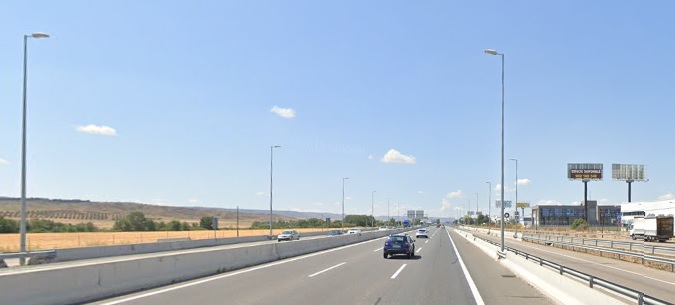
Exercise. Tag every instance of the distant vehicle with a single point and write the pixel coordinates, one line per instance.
(354, 231)
(406, 223)
(422, 233)
(288, 235)
(438, 226)
(383, 228)
(399, 244)
(334, 233)
(390, 227)
(652, 228)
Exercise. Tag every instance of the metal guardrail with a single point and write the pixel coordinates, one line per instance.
(639, 255)
(639, 296)
(48, 253)
(612, 243)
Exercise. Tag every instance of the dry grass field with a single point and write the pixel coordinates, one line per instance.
(48, 241)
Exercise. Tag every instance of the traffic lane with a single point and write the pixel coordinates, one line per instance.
(436, 278)
(657, 283)
(355, 275)
(280, 282)
(497, 284)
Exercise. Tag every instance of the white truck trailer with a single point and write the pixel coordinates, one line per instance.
(652, 228)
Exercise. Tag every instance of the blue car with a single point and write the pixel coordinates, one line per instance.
(399, 244)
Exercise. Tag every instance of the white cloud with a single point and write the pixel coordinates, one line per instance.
(370, 157)
(394, 156)
(287, 113)
(261, 194)
(668, 196)
(524, 181)
(193, 201)
(507, 189)
(3, 161)
(420, 192)
(348, 198)
(445, 203)
(548, 202)
(97, 129)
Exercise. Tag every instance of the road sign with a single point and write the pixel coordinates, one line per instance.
(618, 218)
(506, 215)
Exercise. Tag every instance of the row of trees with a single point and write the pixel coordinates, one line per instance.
(45, 225)
(136, 221)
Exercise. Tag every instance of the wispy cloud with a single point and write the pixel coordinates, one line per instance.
(420, 192)
(394, 156)
(524, 181)
(287, 113)
(97, 129)
(3, 161)
(668, 196)
(445, 203)
(370, 157)
(507, 189)
(193, 201)
(261, 194)
(548, 202)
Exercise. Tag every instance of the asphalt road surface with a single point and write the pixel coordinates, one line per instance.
(654, 282)
(358, 274)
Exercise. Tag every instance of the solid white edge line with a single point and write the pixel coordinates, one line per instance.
(229, 274)
(418, 250)
(472, 285)
(378, 249)
(324, 270)
(398, 271)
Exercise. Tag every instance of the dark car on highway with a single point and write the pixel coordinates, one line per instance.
(399, 244)
(334, 233)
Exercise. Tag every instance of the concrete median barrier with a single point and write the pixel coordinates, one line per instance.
(84, 281)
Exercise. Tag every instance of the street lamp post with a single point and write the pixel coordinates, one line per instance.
(515, 234)
(22, 226)
(372, 209)
(388, 200)
(342, 223)
(493, 52)
(489, 204)
(476, 208)
(271, 182)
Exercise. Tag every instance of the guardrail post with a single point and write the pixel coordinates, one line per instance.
(561, 270)
(591, 282)
(641, 298)
(653, 249)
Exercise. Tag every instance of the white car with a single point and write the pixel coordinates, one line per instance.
(354, 231)
(422, 233)
(383, 228)
(288, 235)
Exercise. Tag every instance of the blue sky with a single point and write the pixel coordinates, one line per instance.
(170, 102)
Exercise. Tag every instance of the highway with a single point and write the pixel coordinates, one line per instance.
(657, 283)
(358, 274)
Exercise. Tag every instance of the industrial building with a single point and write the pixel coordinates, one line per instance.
(564, 215)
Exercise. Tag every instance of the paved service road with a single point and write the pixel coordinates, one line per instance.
(358, 274)
(657, 283)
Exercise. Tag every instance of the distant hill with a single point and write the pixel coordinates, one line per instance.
(104, 214)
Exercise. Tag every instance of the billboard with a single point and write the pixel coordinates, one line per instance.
(523, 205)
(470, 213)
(415, 214)
(507, 203)
(628, 172)
(584, 171)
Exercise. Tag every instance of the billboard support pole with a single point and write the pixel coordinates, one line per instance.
(586, 199)
(629, 190)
